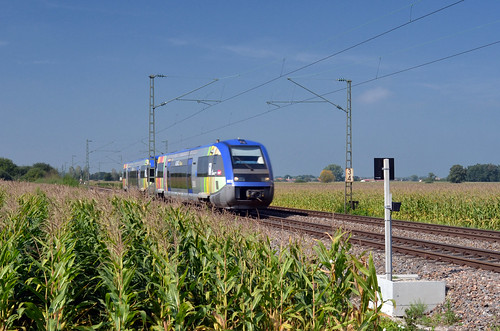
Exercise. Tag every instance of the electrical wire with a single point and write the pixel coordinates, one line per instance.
(411, 21)
(338, 90)
(315, 62)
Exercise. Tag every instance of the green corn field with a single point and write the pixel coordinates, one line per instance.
(466, 204)
(80, 260)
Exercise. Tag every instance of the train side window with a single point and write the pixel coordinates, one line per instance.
(202, 167)
(132, 178)
(159, 170)
(218, 166)
(178, 176)
(189, 171)
(169, 185)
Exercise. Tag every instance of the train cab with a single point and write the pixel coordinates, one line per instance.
(138, 174)
(249, 176)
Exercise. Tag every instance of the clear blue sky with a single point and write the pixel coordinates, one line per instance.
(77, 70)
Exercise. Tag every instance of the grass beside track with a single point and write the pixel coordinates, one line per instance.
(75, 259)
(467, 204)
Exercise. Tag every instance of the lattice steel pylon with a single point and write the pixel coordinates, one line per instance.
(349, 178)
(348, 151)
(152, 107)
(152, 134)
(87, 163)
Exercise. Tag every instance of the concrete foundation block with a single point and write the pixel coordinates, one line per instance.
(406, 290)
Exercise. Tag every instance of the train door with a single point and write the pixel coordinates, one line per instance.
(159, 182)
(131, 180)
(151, 175)
(124, 179)
(143, 177)
(169, 186)
(188, 175)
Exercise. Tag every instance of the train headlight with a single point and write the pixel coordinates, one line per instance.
(267, 179)
(239, 179)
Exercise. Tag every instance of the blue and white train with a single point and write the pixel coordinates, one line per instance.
(233, 174)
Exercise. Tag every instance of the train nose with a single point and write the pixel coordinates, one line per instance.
(255, 194)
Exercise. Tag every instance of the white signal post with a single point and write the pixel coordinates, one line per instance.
(388, 225)
(402, 292)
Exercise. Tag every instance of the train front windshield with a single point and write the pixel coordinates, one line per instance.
(247, 157)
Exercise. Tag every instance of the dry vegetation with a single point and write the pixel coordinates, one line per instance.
(465, 204)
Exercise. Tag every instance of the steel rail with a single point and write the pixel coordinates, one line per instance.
(453, 231)
(477, 258)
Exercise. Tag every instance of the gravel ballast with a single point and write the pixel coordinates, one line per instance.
(473, 295)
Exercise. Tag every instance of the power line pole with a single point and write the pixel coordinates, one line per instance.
(348, 151)
(152, 134)
(151, 116)
(152, 108)
(87, 162)
(349, 178)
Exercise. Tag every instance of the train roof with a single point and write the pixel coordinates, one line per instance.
(230, 142)
(139, 162)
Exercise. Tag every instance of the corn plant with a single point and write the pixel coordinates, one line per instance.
(8, 280)
(132, 216)
(55, 270)
(117, 272)
(81, 261)
(3, 198)
(119, 300)
(171, 309)
(466, 204)
(52, 268)
(26, 225)
(89, 244)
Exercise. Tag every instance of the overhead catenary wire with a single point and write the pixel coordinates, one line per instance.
(316, 62)
(341, 89)
(282, 75)
(402, 50)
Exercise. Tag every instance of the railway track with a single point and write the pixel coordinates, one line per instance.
(452, 231)
(477, 258)
(101, 189)
(473, 257)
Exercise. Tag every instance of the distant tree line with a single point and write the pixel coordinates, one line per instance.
(475, 173)
(458, 174)
(331, 173)
(106, 176)
(10, 171)
(296, 179)
(45, 172)
(79, 173)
